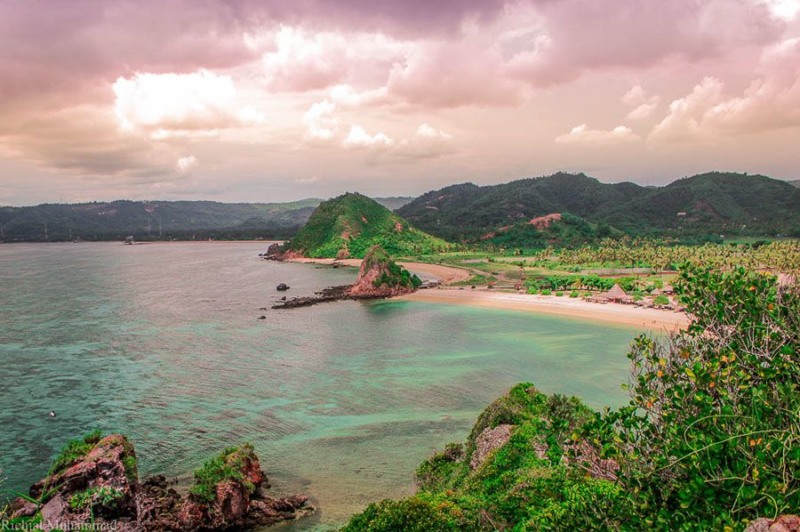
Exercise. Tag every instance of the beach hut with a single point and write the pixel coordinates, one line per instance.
(617, 294)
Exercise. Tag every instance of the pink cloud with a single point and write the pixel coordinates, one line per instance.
(771, 101)
(576, 36)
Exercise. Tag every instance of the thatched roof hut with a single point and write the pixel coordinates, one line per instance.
(655, 292)
(786, 280)
(667, 288)
(617, 294)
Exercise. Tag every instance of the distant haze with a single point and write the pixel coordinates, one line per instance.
(239, 100)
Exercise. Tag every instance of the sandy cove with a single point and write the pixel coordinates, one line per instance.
(652, 319)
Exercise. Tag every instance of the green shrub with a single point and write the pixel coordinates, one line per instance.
(545, 292)
(559, 294)
(105, 496)
(414, 514)
(711, 438)
(574, 294)
(660, 300)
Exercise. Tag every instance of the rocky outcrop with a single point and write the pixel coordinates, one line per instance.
(489, 441)
(379, 276)
(278, 252)
(784, 523)
(101, 486)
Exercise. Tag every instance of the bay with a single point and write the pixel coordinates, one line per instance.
(162, 342)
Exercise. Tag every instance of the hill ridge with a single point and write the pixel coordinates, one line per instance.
(712, 202)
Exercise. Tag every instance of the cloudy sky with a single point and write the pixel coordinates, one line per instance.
(247, 100)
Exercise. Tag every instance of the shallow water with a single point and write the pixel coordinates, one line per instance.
(342, 401)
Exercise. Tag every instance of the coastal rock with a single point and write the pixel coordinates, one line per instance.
(100, 488)
(100, 484)
(586, 457)
(282, 287)
(238, 501)
(488, 441)
(784, 523)
(379, 276)
(273, 250)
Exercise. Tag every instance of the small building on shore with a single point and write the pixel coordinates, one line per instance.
(618, 295)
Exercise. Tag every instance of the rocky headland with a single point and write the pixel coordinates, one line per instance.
(378, 277)
(95, 483)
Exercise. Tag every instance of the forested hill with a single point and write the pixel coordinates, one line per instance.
(158, 220)
(351, 224)
(706, 203)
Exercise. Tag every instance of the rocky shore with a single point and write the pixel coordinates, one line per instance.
(379, 277)
(95, 483)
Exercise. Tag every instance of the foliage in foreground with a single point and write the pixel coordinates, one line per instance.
(709, 440)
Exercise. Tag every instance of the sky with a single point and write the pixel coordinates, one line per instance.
(249, 100)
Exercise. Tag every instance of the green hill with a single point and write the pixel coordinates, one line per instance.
(709, 203)
(351, 224)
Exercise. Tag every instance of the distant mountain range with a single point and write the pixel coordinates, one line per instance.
(711, 203)
(159, 220)
(706, 204)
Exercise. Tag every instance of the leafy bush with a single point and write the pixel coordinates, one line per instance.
(414, 514)
(574, 294)
(105, 496)
(660, 300)
(711, 438)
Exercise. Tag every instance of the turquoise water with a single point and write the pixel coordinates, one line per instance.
(342, 401)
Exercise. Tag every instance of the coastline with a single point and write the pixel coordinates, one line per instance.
(652, 319)
(446, 274)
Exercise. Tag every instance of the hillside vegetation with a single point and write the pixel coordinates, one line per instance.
(710, 439)
(556, 230)
(711, 203)
(348, 226)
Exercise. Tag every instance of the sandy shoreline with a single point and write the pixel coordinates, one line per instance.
(652, 319)
(446, 274)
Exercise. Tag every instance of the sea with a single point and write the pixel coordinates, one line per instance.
(164, 343)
